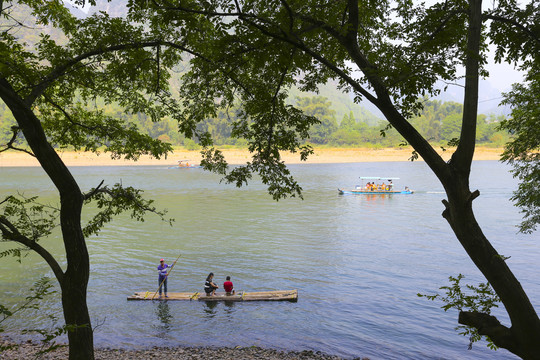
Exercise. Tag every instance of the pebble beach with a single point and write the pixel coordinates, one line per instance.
(29, 350)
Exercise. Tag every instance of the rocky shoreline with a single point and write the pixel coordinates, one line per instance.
(29, 350)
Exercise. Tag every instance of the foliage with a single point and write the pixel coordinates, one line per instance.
(114, 201)
(244, 57)
(49, 335)
(54, 89)
(108, 133)
(518, 41)
(391, 53)
(41, 289)
(319, 108)
(523, 152)
(482, 299)
(351, 131)
(66, 111)
(341, 102)
(31, 219)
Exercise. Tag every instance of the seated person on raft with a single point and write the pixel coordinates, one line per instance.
(228, 286)
(209, 286)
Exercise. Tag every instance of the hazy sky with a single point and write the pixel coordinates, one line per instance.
(502, 76)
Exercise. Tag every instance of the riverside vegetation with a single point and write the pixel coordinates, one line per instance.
(439, 121)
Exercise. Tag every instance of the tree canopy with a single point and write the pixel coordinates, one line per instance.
(523, 151)
(52, 88)
(390, 53)
(244, 57)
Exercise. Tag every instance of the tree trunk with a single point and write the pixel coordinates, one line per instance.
(523, 337)
(75, 280)
(81, 337)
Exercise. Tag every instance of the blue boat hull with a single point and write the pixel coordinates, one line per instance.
(185, 167)
(376, 192)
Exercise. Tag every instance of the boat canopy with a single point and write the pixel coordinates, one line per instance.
(378, 178)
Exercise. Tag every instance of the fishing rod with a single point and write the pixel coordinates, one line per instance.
(166, 276)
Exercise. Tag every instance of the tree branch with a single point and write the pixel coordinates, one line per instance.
(274, 100)
(446, 212)
(121, 194)
(430, 38)
(322, 25)
(60, 70)
(382, 100)
(400, 123)
(488, 325)
(90, 194)
(526, 30)
(67, 116)
(290, 13)
(10, 232)
(6, 199)
(285, 37)
(298, 43)
(474, 195)
(9, 145)
(462, 157)
(353, 21)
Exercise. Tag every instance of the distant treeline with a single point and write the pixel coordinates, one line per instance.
(440, 122)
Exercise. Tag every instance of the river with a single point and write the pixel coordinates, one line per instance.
(357, 261)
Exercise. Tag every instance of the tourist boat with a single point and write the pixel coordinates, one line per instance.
(380, 188)
(279, 295)
(184, 164)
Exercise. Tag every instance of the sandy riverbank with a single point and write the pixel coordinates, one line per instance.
(235, 156)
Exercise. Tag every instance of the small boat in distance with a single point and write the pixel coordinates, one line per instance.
(380, 188)
(184, 164)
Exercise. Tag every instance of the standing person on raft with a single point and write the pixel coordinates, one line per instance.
(162, 277)
(209, 286)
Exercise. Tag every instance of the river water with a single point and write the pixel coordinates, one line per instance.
(357, 261)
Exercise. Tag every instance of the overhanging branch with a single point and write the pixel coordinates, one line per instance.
(526, 30)
(488, 325)
(10, 232)
(121, 193)
(9, 145)
(61, 70)
(94, 191)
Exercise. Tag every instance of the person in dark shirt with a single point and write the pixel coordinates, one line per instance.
(209, 286)
(228, 286)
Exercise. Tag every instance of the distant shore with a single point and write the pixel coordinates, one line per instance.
(238, 156)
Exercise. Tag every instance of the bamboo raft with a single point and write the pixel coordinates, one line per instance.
(279, 295)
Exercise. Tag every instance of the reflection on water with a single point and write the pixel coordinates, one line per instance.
(229, 307)
(357, 261)
(165, 319)
(210, 308)
(164, 313)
